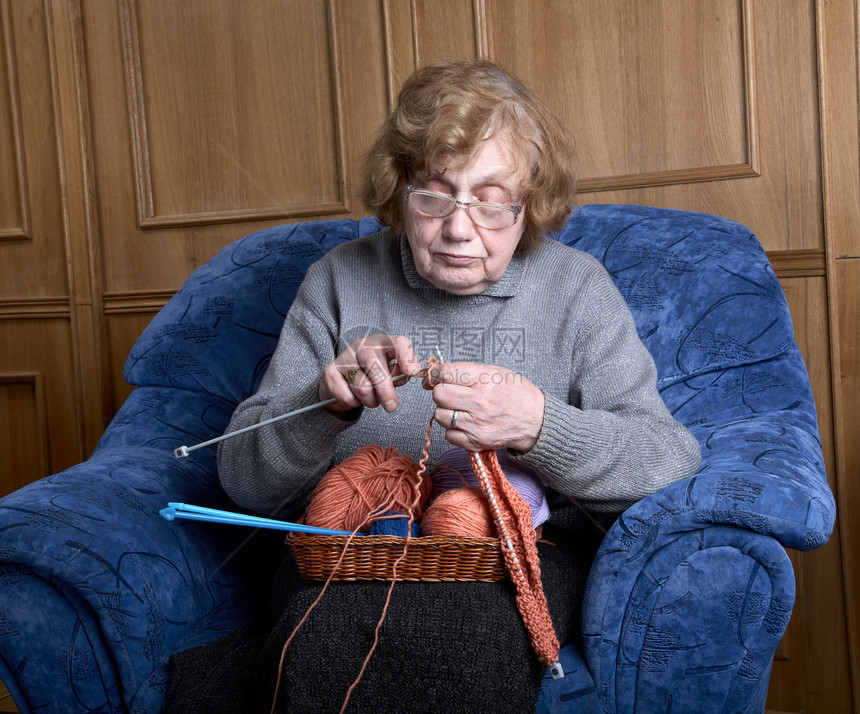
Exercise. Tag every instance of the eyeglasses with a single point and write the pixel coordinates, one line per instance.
(432, 204)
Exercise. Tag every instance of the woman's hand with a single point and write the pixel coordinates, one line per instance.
(363, 374)
(495, 407)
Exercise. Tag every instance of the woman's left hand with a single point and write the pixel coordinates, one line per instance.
(495, 407)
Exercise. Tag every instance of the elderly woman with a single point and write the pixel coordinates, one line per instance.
(470, 172)
(542, 356)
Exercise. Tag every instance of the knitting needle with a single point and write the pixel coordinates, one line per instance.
(213, 515)
(183, 451)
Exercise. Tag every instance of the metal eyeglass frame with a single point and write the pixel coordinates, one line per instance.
(455, 204)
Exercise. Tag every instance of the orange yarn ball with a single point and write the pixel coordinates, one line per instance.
(459, 512)
(372, 478)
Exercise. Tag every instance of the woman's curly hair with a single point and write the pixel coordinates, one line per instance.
(450, 109)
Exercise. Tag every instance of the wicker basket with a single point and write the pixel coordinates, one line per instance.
(372, 557)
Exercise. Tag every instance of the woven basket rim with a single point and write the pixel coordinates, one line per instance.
(371, 557)
(376, 541)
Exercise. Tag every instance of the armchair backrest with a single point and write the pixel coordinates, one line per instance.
(217, 334)
(705, 298)
(708, 307)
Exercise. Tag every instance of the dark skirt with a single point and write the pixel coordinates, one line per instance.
(443, 647)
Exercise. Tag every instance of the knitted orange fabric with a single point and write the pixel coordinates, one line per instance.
(512, 516)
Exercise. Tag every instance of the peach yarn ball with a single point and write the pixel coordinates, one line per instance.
(373, 478)
(460, 511)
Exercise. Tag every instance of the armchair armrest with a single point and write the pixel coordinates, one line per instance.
(692, 585)
(97, 589)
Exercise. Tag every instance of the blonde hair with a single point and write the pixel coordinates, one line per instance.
(451, 108)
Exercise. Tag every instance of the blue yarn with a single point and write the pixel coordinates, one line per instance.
(395, 526)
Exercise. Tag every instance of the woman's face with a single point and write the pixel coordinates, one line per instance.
(452, 252)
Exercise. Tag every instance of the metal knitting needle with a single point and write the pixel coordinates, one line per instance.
(183, 451)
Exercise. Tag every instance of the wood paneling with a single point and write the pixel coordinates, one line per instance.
(139, 137)
(447, 28)
(123, 330)
(250, 152)
(33, 265)
(14, 204)
(23, 428)
(838, 27)
(695, 57)
(664, 95)
(39, 420)
(271, 104)
(41, 357)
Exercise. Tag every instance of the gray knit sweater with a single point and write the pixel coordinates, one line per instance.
(555, 318)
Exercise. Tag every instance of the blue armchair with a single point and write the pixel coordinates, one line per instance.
(687, 598)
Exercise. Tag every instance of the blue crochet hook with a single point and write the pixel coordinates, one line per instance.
(213, 515)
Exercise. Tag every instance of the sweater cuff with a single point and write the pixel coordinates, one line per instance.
(568, 432)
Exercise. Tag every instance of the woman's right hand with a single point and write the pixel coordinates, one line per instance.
(363, 374)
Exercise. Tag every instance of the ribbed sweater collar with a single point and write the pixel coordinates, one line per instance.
(508, 286)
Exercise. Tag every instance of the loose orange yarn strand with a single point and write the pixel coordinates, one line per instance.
(422, 469)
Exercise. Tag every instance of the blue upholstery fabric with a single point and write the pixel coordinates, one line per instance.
(687, 598)
(691, 590)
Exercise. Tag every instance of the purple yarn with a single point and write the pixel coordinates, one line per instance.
(521, 478)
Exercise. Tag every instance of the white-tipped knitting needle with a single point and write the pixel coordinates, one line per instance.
(184, 451)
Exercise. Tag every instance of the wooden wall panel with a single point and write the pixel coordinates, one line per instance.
(250, 150)
(32, 261)
(271, 103)
(446, 29)
(211, 123)
(123, 329)
(680, 103)
(366, 80)
(23, 429)
(38, 405)
(40, 396)
(694, 56)
(839, 39)
(14, 205)
(845, 297)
